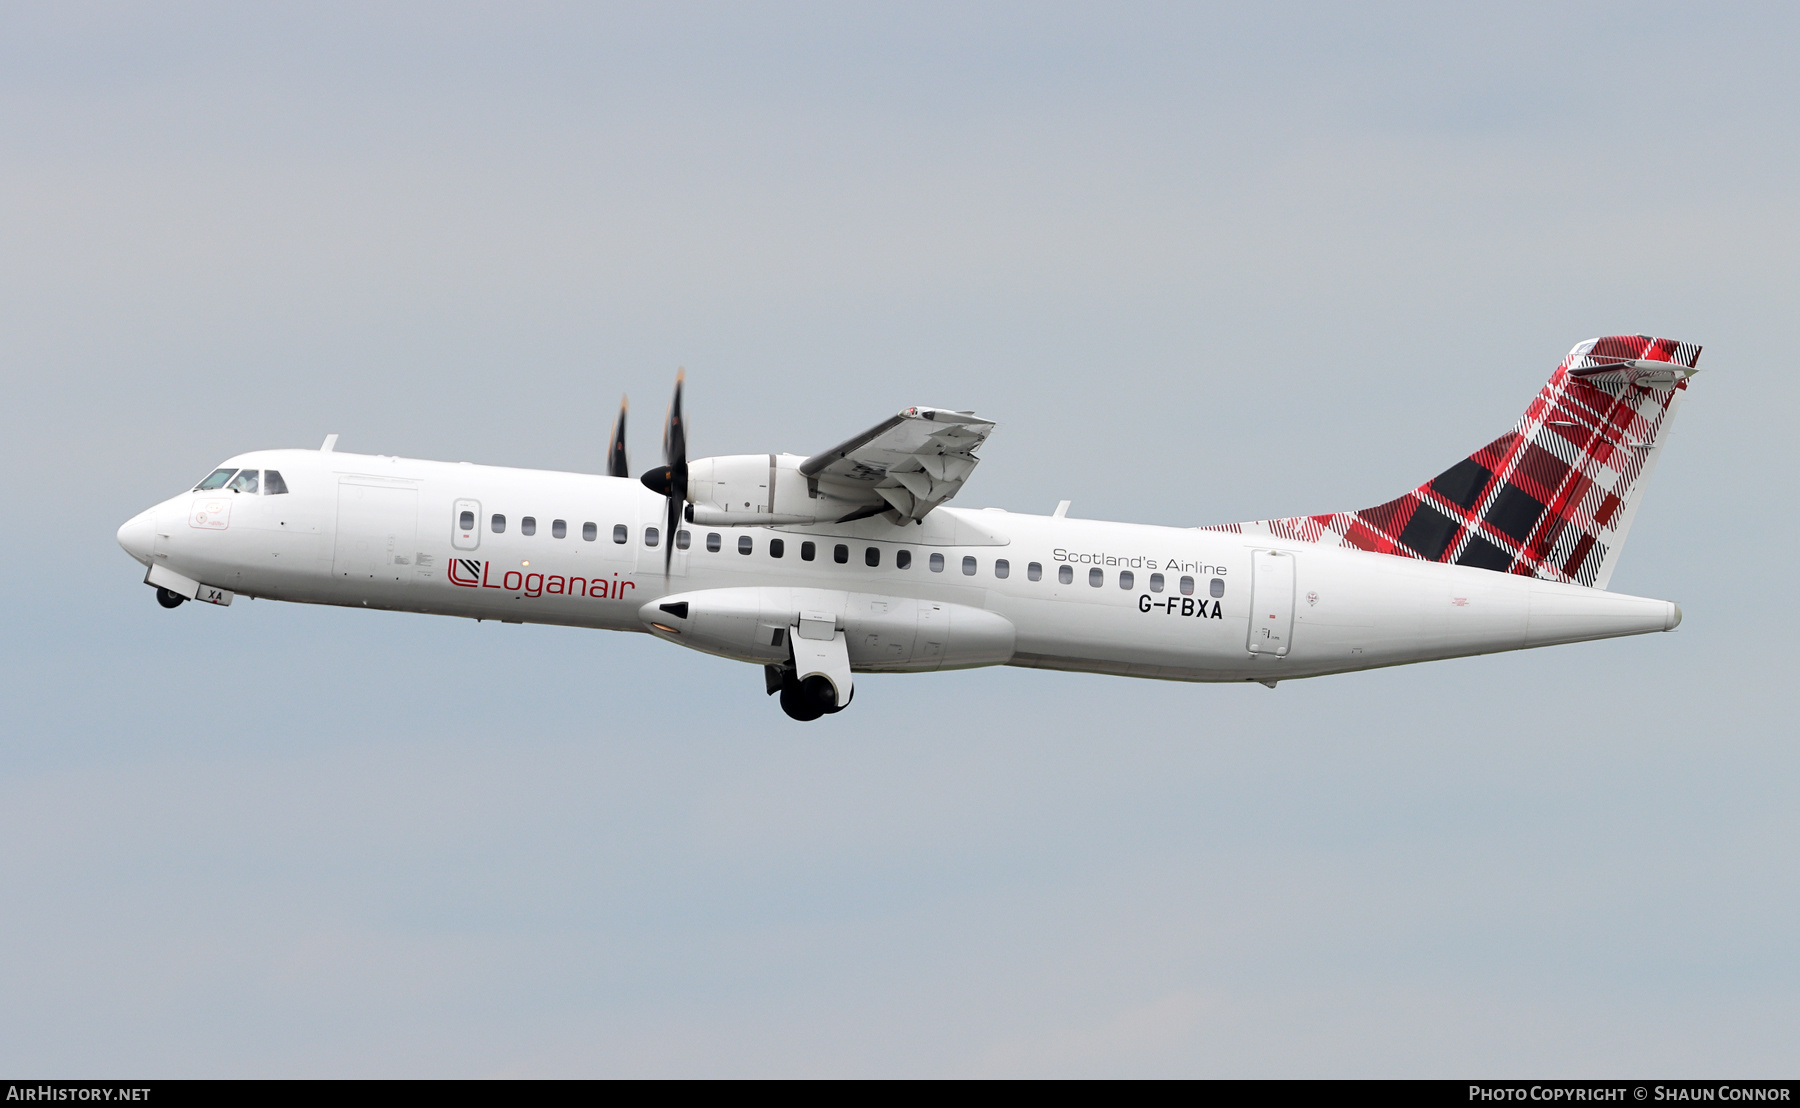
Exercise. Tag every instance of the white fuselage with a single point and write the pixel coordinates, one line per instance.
(1185, 604)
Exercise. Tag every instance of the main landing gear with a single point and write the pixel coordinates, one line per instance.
(169, 599)
(803, 700)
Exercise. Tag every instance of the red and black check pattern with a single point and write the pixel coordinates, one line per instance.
(1551, 498)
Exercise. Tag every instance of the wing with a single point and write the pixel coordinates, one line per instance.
(908, 464)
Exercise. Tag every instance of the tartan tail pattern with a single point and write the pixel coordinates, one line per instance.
(1553, 497)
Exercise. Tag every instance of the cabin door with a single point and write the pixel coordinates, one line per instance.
(1271, 602)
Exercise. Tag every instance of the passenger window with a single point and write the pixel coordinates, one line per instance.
(1002, 568)
(1035, 571)
(466, 521)
(968, 566)
(937, 563)
(840, 554)
(1187, 586)
(902, 559)
(1156, 582)
(559, 528)
(777, 548)
(1065, 574)
(683, 540)
(620, 534)
(872, 556)
(528, 525)
(245, 481)
(498, 523)
(273, 485)
(807, 551)
(1127, 579)
(1096, 577)
(1217, 588)
(712, 542)
(745, 545)
(589, 532)
(652, 536)
(214, 480)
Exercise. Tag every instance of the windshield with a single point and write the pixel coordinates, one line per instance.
(245, 481)
(216, 480)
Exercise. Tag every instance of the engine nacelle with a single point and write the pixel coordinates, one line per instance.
(881, 633)
(759, 489)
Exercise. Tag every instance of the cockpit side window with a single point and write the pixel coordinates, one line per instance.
(273, 485)
(215, 480)
(245, 481)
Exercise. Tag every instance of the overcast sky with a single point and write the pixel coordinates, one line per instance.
(1203, 265)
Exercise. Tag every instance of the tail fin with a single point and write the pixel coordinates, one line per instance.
(1553, 497)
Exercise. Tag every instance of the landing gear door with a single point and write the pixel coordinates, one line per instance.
(1271, 602)
(820, 649)
(465, 525)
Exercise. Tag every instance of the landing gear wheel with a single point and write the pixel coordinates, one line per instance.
(169, 599)
(796, 703)
(809, 699)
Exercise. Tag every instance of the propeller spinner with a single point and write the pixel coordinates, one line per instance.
(671, 480)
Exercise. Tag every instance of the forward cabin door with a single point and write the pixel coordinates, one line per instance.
(1271, 602)
(377, 531)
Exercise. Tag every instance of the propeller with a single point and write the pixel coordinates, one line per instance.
(671, 480)
(616, 465)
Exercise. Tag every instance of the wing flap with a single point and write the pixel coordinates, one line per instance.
(909, 463)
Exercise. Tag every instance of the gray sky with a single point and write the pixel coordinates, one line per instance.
(1202, 264)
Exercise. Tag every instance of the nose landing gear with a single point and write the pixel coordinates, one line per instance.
(169, 599)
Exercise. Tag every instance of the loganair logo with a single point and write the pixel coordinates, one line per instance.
(471, 574)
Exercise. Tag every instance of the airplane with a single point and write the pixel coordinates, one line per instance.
(850, 560)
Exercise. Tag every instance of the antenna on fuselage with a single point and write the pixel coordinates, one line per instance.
(330, 444)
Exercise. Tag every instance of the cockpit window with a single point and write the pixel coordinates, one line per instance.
(245, 481)
(216, 480)
(273, 485)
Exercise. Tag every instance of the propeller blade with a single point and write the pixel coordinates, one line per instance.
(616, 465)
(671, 479)
(675, 453)
(675, 430)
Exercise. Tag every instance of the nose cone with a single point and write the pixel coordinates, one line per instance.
(138, 536)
